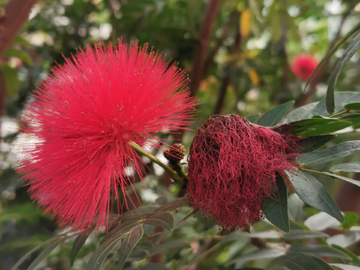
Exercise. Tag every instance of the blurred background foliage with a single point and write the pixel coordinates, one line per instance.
(246, 71)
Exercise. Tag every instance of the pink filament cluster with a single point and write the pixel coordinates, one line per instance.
(83, 117)
(233, 165)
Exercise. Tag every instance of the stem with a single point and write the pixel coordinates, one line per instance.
(154, 159)
(314, 172)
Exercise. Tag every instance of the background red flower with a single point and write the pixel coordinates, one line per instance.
(303, 66)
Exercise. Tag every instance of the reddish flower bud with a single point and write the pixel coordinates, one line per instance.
(303, 66)
(175, 153)
(233, 165)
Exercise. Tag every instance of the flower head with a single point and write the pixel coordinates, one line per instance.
(303, 66)
(84, 116)
(233, 165)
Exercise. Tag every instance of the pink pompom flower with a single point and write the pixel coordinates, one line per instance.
(303, 66)
(232, 167)
(85, 114)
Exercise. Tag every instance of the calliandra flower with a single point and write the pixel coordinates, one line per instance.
(303, 66)
(233, 165)
(84, 116)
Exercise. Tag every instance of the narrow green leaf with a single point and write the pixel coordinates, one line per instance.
(341, 99)
(352, 181)
(128, 245)
(312, 143)
(161, 219)
(23, 258)
(154, 266)
(22, 55)
(301, 261)
(274, 116)
(79, 242)
(345, 266)
(253, 117)
(350, 219)
(346, 167)
(20, 40)
(319, 251)
(138, 213)
(265, 253)
(124, 226)
(276, 209)
(300, 113)
(44, 254)
(179, 243)
(11, 79)
(354, 45)
(354, 258)
(300, 234)
(174, 204)
(353, 106)
(329, 154)
(313, 193)
(326, 128)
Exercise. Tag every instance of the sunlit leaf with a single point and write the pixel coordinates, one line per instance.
(274, 116)
(350, 219)
(22, 55)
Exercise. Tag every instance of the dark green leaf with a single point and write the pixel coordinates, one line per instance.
(313, 193)
(353, 106)
(174, 204)
(354, 45)
(11, 79)
(124, 226)
(350, 219)
(138, 213)
(345, 266)
(312, 143)
(276, 209)
(341, 99)
(303, 125)
(128, 245)
(22, 55)
(346, 167)
(301, 261)
(23, 258)
(274, 116)
(299, 234)
(265, 253)
(253, 117)
(45, 253)
(300, 113)
(161, 219)
(326, 128)
(354, 258)
(179, 243)
(79, 242)
(335, 176)
(319, 251)
(329, 154)
(154, 266)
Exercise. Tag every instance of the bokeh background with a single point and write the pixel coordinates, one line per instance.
(238, 54)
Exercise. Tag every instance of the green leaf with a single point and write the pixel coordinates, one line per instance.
(124, 226)
(138, 213)
(313, 193)
(329, 154)
(319, 251)
(20, 40)
(346, 167)
(301, 261)
(344, 240)
(45, 253)
(274, 116)
(276, 209)
(354, 258)
(341, 99)
(174, 204)
(354, 45)
(326, 128)
(352, 181)
(22, 55)
(345, 266)
(11, 79)
(161, 219)
(179, 243)
(154, 266)
(300, 113)
(23, 258)
(3, 2)
(312, 143)
(300, 234)
(350, 219)
(79, 242)
(253, 117)
(353, 106)
(128, 245)
(265, 253)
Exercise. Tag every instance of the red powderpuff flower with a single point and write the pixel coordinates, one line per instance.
(84, 116)
(233, 165)
(303, 66)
